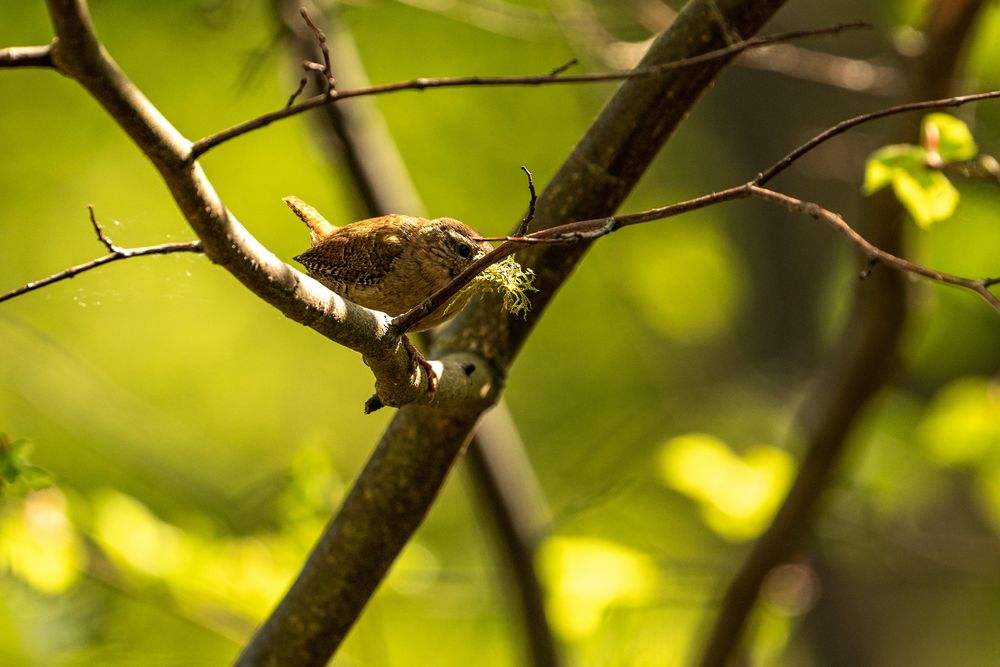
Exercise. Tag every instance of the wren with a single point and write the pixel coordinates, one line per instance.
(391, 263)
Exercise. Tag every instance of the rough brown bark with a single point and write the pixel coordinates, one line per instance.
(371, 528)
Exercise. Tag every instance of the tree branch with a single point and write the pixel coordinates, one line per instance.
(589, 230)
(980, 287)
(26, 56)
(384, 507)
(845, 125)
(720, 54)
(116, 253)
(497, 464)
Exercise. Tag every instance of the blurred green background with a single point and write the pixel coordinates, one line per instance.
(199, 441)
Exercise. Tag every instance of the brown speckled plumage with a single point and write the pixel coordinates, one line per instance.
(390, 263)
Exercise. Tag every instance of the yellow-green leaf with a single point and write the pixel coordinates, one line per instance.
(884, 162)
(928, 196)
(954, 139)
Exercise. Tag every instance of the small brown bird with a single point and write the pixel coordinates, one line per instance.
(390, 263)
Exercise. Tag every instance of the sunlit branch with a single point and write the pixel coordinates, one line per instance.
(555, 77)
(116, 253)
(589, 230)
(845, 125)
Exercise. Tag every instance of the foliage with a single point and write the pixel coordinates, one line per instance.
(915, 171)
(15, 470)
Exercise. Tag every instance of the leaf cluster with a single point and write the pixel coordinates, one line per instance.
(915, 171)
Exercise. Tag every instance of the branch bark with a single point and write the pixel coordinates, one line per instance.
(497, 465)
(26, 56)
(723, 53)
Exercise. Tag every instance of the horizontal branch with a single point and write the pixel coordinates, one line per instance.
(817, 212)
(589, 230)
(116, 253)
(845, 125)
(554, 77)
(26, 56)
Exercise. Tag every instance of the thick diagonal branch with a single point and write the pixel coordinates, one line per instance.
(78, 54)
(356, 136)
(371, 529)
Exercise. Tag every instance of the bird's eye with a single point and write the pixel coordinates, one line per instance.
(463, 250)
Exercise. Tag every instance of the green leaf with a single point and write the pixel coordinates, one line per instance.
(886, 161)
(928, 196)
(954, 139)
(15, 468)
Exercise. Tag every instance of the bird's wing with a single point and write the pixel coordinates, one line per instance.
(361, 253)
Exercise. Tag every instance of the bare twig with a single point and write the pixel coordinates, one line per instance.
(101, 236)
(26, 56)
(562, 68)
(590, 230)
(819, 213)
(522, 227)
(326, 68)
(115, 253)
(587, 230)
(298, 91)
(211, 141)
(845, 125)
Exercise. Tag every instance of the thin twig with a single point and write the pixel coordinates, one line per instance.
(522, 226)
(115, 253)
(326, 69)
(298, 91)
(819, 213)
(590, 230)
(211, 141)
(26, 56)
(101, 236)
(562, 68)
(845, 125)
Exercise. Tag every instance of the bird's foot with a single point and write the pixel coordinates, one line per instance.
(417, 359)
